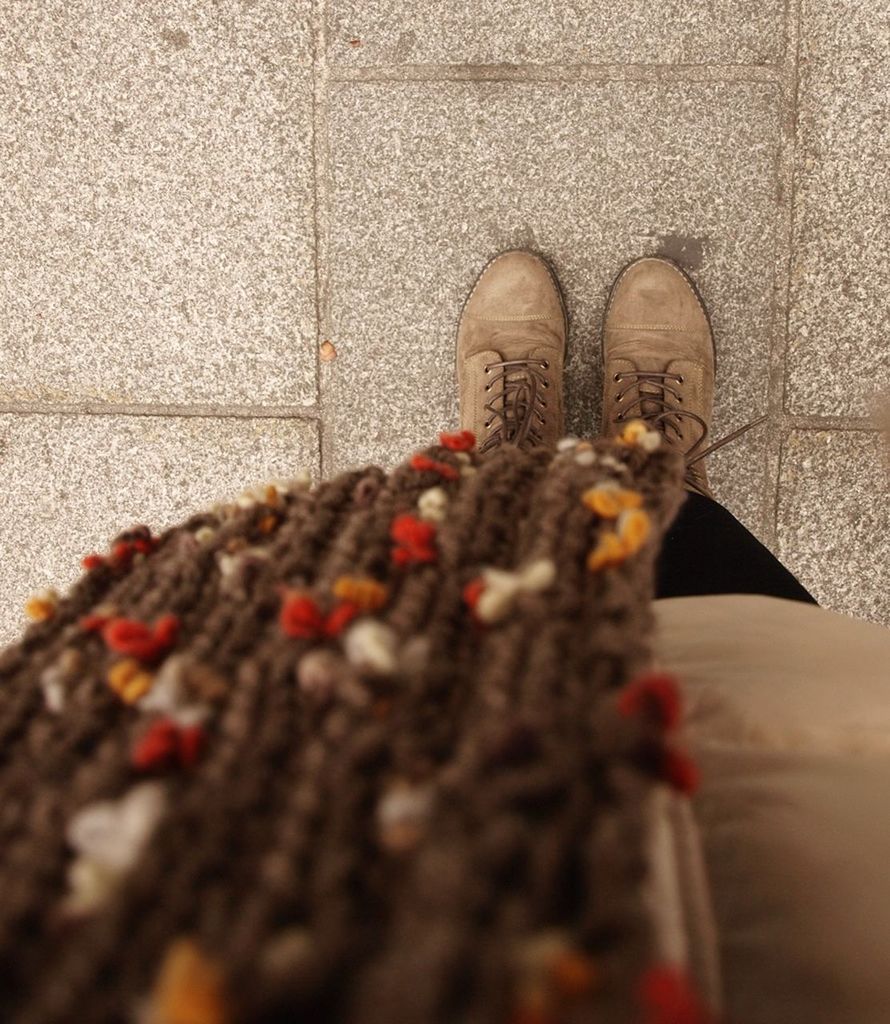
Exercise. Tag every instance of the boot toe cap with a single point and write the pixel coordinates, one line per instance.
(516, 285)
(652, 293)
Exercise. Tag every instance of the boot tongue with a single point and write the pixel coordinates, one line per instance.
(520, 391)
(648, 407)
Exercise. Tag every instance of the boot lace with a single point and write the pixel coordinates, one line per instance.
(517, 411)
(662, 415)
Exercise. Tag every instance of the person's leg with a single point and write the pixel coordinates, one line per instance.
(708, 551)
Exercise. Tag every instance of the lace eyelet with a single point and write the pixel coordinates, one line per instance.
(488, 369)
(546, 364)
(617, 377)
(680, 379)
(619, 398)
(488, 387)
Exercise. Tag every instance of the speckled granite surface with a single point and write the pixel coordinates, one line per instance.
(834, 519)
(373, 32)
(81, 479)
(839, 352)
(235, 236)
(429, 179)
(157, 238)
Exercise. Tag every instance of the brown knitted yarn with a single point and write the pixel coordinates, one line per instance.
(353, 843)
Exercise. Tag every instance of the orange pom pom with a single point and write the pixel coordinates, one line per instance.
(574, 974)
(634, 528)
(366, 593)
(189, 988)
(609, 551)
(129, 680)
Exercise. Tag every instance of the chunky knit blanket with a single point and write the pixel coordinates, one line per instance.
(373, 751)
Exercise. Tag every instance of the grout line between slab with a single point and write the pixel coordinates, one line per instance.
(317, 41)
(321, 178)
(307, 413)
(558, 73)
(778, 424)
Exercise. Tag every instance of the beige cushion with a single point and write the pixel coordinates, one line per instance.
(789, 718)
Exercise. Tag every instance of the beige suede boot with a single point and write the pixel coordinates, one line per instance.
(659, 361)
(511, 342)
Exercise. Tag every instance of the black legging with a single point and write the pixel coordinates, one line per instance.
(708, 551)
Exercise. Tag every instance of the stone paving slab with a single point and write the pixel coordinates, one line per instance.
(429, 180)
(838, 355)
(156, 227)
(373, 32)
(76, 481)
(834, 519)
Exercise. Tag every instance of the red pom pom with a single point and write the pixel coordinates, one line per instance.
(473, 591)
(461, 441)
(126, 636)
(192, 741)
(300, 616)
(166, 630)
(92, 561)
(423, 463)
(158, 748)
(122, 553)
(414, 540)
(656, 695)
(668, 998)
(166, 745)
(408, 530)
(340, 618)
(680, 770)
(93, 623)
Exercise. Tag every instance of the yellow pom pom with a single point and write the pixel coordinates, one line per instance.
(363, 591)
(42, 606)
(268, 523)
(637, 433)
(610, 500)
(609, 551)
(129, 680)
(634, 528)
(189, 988)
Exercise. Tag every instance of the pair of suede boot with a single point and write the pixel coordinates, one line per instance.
(658, 357)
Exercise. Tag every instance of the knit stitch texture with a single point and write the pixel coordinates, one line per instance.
(375, 751)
